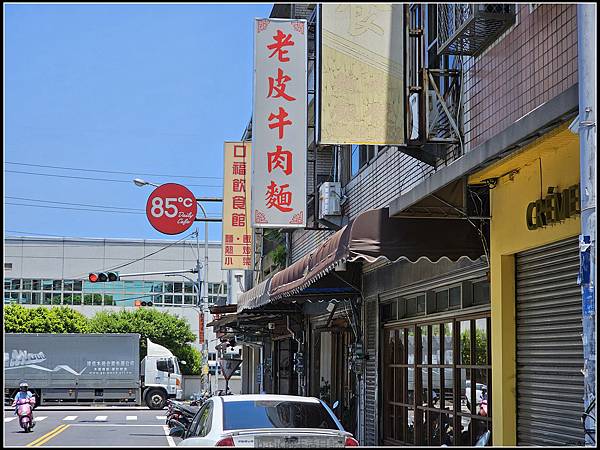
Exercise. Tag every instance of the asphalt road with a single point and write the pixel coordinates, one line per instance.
(91, 427)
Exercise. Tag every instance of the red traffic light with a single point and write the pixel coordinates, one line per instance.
(102, 277)
(139, 303)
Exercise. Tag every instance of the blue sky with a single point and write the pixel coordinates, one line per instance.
(145, 89)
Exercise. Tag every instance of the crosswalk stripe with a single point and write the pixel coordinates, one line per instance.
(131, 418)
(161, 417)
(101, 418)
(70, 418)
(8, 419)
(39, 419)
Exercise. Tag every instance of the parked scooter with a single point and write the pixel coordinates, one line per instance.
(25, 413)
(179, 414)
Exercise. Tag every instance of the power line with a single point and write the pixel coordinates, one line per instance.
(74, 209)
(97, 179)
(97, 208)
(154, 253)
(72, 204)
(111, 171)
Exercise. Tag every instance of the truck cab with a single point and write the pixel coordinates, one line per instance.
(162, 377)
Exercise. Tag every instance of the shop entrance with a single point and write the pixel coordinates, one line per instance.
(286, 380)
(331, 377)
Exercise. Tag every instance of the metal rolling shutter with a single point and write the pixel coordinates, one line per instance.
(549, 346)
(371, 433)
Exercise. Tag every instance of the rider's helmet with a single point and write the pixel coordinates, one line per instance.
(23, 387)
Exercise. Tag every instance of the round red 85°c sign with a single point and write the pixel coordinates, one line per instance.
(171, 208)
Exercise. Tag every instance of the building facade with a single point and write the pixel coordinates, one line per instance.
(54, 271)
(441, 305)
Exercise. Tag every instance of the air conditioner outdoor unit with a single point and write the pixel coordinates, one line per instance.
(330, 194)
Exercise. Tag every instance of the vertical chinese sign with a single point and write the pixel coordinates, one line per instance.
(279, 125)
(236, 249)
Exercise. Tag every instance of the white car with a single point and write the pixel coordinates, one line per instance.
(265, 420)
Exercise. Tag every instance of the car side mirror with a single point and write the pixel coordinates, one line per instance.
(336, 404)
(177, 431)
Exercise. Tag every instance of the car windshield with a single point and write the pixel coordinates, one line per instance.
(275, 414)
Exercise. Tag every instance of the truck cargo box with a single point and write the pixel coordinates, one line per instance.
(72, 361)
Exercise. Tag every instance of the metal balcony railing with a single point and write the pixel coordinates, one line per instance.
(468, 29)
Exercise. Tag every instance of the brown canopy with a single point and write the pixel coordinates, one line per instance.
(374, 235)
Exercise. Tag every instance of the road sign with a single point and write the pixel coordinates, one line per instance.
(171, 208)
(228, 366)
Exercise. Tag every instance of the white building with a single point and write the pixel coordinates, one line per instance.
(54, 271)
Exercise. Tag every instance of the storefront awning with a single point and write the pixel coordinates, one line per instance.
(255, 297)
(372, 236)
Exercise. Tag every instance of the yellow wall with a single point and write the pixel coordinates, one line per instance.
(552, 160)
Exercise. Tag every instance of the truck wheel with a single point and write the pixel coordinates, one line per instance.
(156, 399)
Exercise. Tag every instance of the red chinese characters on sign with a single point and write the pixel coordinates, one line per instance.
(280, 120)
(281, 159)
(235, 207)
(277, 86)
(239, 168)
(239, 185)
(238, 220)
(278, 197)
(281, 40)
(239, 202)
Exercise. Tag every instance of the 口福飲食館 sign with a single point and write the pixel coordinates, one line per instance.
(236, 248)
(279, 124)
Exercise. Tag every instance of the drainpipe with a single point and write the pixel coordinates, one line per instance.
(586, 34)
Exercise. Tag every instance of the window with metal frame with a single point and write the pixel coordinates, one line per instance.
(429, 371)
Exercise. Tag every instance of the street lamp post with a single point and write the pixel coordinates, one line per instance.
(200, 304)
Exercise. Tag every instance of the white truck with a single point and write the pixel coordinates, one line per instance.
(103, 368)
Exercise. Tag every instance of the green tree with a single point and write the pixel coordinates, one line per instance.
(165, 329)
(480, 347)
(18, 319)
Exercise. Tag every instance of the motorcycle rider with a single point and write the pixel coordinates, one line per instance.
(24, 393)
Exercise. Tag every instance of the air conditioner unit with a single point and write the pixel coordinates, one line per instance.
(330, 194)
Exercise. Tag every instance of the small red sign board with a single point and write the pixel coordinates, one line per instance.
(171, 208)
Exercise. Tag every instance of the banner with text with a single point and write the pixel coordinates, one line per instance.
(236, 247)
(362, 74)
(279, 125)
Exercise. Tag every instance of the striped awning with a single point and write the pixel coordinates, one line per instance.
(255, 297)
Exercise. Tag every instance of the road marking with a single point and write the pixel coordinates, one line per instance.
(131, 418)
(70, 418)
(169, 438)
(39, 419)
(45, 438)
(161, 417)
(101, 418)
(9, 419)
(112, 425)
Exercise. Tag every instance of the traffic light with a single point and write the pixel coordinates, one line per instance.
(139, 303)
(103, 277)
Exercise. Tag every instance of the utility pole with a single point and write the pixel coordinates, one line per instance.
(586, 36)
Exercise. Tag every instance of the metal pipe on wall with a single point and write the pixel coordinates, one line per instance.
(586, 51)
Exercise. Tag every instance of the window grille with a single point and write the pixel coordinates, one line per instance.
(468, 29)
